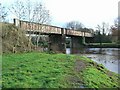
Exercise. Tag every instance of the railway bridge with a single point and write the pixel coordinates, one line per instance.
(57, 35)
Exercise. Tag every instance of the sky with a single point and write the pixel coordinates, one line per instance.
(89, 12)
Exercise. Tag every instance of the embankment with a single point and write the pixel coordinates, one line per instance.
(14, 39)
(42, 70)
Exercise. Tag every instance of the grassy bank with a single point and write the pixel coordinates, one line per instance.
(42, 70)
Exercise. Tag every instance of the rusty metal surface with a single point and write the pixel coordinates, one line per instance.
(48, 29)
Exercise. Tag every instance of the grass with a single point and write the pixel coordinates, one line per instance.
(36, 70)
(42, 70)
(97, 79)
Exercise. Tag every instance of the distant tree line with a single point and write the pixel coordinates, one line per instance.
(103, 33)
(76, 25)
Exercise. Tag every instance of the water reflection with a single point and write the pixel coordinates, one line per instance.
(109, 57)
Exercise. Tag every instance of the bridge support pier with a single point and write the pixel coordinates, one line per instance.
(76, 44)
(57, 43)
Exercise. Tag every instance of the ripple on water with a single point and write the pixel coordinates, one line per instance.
(108, 57)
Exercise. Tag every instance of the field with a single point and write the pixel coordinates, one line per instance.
(42, 70)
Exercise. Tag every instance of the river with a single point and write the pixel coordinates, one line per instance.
(109, 57)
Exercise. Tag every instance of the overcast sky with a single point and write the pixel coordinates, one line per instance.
(88, 12)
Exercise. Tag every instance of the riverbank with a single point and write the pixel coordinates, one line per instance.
(42, 70)
(108, 57)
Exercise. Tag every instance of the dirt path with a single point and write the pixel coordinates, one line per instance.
(76, 79)
(79, 65)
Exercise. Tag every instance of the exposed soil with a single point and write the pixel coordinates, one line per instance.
(77, 81)
(79, 65)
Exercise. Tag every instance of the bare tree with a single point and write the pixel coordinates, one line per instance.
(104, 28)
(36, 13)
(29, 18)
(3, 13)
(33, 13)
(99, 34)
(41, 16)
(18, 9)
(117, 22)
(75, 25)
(115, 30)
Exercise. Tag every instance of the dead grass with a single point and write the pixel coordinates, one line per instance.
(14, 39)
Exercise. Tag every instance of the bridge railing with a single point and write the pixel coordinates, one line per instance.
(75, 33)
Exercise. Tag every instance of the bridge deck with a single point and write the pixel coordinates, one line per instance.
(48, 29)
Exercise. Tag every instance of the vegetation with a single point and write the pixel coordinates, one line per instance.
(97, 79)
(3, 13)
(98, 38)
(115, 29)
(32, 12)
(42, 70)
(74, 25)
(13, 39)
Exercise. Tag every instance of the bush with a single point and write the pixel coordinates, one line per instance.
(14, 39)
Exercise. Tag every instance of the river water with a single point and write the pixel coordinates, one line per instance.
(109, 57)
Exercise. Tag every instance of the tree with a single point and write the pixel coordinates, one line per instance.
(3, 13)
(103, 28)
(117, 22)
(33, 13)
(102, 33)
(115, 30)
(40, 16)
(98, 36)
(18, 9)
(75, 25)
(29, 17)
